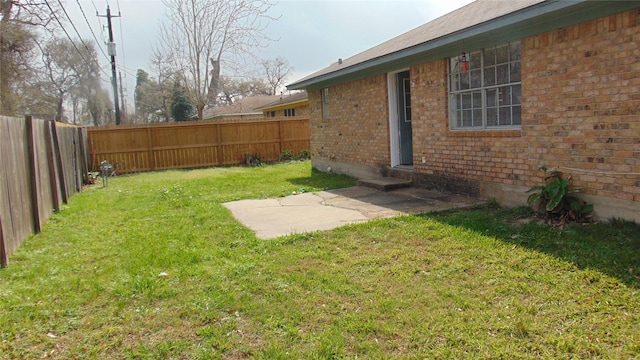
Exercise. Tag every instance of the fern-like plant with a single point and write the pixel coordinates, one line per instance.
(556, 198)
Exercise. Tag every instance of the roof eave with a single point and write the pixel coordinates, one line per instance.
(284, 105)
(532, 20)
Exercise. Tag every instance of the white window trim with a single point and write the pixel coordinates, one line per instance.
(324, 94)
(483, 90)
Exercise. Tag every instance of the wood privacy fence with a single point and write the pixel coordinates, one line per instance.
(41, 164)
(137, 148)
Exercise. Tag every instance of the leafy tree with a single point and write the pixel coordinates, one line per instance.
(202, 33)
(181, 108)
(99, 106)
(90, 101)
(69, 70)
(148, 104)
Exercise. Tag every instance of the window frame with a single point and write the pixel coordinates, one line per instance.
(290, 112)
(483, 81)
(325, 103)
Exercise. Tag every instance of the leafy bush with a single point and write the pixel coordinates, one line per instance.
(556, 200)
(252, 159)
(305, 154)
(286, 155)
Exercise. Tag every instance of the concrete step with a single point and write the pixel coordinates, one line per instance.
(384, 183)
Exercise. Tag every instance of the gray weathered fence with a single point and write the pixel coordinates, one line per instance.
(42, 163)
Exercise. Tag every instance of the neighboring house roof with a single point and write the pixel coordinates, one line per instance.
(481, 23)
(246, 106)
(286, 101)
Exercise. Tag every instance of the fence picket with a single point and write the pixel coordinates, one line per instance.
(165, 146)
(28, 180)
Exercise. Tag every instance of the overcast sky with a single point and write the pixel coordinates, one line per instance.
(310, 34)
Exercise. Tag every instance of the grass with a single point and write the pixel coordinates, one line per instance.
(154, 267)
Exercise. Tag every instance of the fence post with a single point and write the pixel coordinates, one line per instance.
(76, 164)
(53, 173)
(33, 174)
(219, 140)
(281, 135)
(58, 154)
(4, 258)
(152, 160)
(82, 157)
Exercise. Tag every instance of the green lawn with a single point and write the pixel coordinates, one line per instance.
(153, 266)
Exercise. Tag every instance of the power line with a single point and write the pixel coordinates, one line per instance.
(91, 29)
(124, 60)
(63, 29)
(102, 36)
(113, 64)
(72, 25)
(128, 70)
(69, 36)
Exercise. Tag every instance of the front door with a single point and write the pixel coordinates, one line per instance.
(404, 118)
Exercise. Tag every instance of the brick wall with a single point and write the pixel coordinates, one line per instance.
(357, 130)
(458, 160)
(581, 90)
(580, 113)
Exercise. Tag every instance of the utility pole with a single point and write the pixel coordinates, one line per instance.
(112, 53)
(123, 100)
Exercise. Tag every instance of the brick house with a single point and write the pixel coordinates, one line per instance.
(478, 100)
(243, 109)
(293, 105)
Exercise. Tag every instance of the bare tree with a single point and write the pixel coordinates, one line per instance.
(166, 75)
(276, 71)
(202, 34)
(28, 12)
(21, 23)
(234, 89)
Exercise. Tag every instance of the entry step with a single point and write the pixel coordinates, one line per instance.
(384, 183)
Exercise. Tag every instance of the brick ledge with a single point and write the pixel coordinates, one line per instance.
(484, 133)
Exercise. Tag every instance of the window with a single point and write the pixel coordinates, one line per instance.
(486, 93)
(406, 93)
(325, 103)
(289, 112)
(270, 114)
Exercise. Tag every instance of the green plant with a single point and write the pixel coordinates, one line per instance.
(252, 159)
(556, 200)
(305, 154)
(286, 155)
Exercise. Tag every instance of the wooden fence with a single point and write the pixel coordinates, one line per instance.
(137, 148)
(41, 164)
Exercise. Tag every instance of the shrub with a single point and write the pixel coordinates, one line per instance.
(252, 159)
(555, 199)
(305, 154)
(286, 155)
